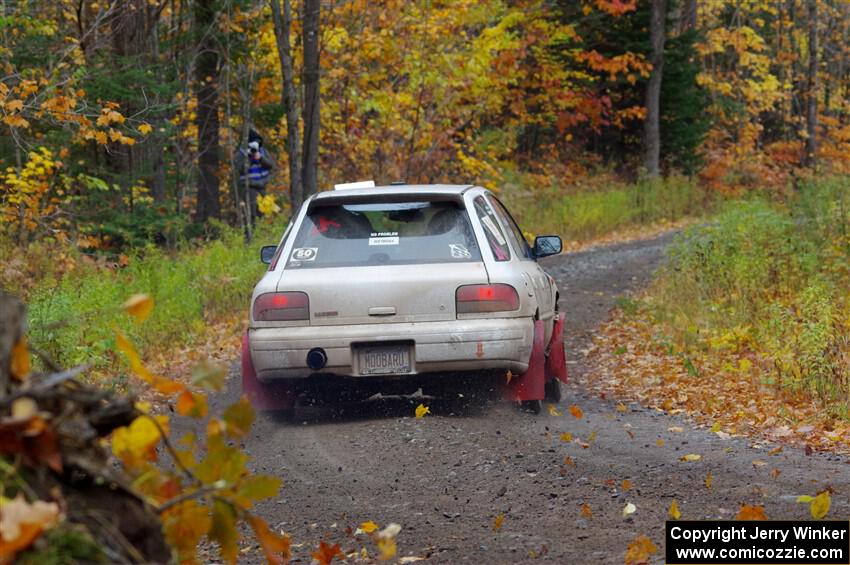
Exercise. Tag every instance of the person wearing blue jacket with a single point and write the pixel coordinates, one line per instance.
(254, 167)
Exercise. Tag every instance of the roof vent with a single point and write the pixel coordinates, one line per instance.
(360, 184)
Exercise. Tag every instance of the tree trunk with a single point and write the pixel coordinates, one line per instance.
(652, 128)
(282, 27)
(690, 12)
(135, 43)
(311, 97)
(206, 91)
(812, 88)
(12, 327)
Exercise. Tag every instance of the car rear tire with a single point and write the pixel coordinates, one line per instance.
(552, 390)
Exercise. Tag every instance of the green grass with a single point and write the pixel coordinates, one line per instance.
(587, 214)
(73, 318)
(772, 279)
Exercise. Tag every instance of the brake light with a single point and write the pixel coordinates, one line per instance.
(478, 298)
(281, 306)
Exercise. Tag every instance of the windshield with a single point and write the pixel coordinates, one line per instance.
(397, 233)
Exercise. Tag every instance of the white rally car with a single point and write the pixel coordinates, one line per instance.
(381, 288)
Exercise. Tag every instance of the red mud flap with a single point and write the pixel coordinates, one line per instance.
(263, 397)
(530, 384)
(556, 361)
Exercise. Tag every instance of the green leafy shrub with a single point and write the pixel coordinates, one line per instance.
(771, 280)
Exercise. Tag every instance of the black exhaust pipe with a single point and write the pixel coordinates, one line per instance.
(317, 358)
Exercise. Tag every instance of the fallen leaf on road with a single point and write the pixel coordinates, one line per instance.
(569, 461)
(508, 377)
(387, 547)
(621, 407)
(629, 509)
(368, 527)
(716, 427)
(385, 539)
(552, 410)
(421, 410)
(775, 451)
(659, 442)
(674, 510)
(775, 473)
(758, 463)
(753, 512)
(676, 429)
(627, 484)
(566, 436)
(576, 412)
(708, 479)
(690, 457)
(819, 507)
(497, 523)
(639, 551)
(586, 511)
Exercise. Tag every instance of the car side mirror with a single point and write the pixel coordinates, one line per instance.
(545, 245)
(267, 253)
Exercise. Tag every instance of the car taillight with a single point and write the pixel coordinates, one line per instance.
(477, 298)
(281, 306)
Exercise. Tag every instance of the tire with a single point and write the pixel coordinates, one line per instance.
(552, 388)
(532, 406)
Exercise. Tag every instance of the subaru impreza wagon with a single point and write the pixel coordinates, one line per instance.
(382, 287)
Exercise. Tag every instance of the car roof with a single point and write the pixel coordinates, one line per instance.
(396, 190)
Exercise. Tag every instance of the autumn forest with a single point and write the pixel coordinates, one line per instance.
(711, 136)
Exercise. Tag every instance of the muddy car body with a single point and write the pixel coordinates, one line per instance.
(387, 284)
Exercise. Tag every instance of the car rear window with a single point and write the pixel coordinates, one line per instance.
(393, 233)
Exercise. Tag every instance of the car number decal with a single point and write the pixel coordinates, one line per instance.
(304, 254)
(459, 251)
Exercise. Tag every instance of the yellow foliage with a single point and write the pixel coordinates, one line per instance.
(139, 306)
(135, 444)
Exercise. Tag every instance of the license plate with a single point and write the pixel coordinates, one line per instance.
(384, 360)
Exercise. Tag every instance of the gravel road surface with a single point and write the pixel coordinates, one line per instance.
(446, 477)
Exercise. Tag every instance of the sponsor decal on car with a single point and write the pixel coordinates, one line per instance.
(459, 251)
(384, 238)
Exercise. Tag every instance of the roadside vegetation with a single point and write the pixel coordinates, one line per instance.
(748, 326)
(121, 123)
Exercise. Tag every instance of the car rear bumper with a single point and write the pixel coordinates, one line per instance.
(457, 345)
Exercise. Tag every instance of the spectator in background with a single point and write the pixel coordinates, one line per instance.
(254, 167)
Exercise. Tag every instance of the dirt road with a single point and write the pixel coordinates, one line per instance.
(446, 477)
